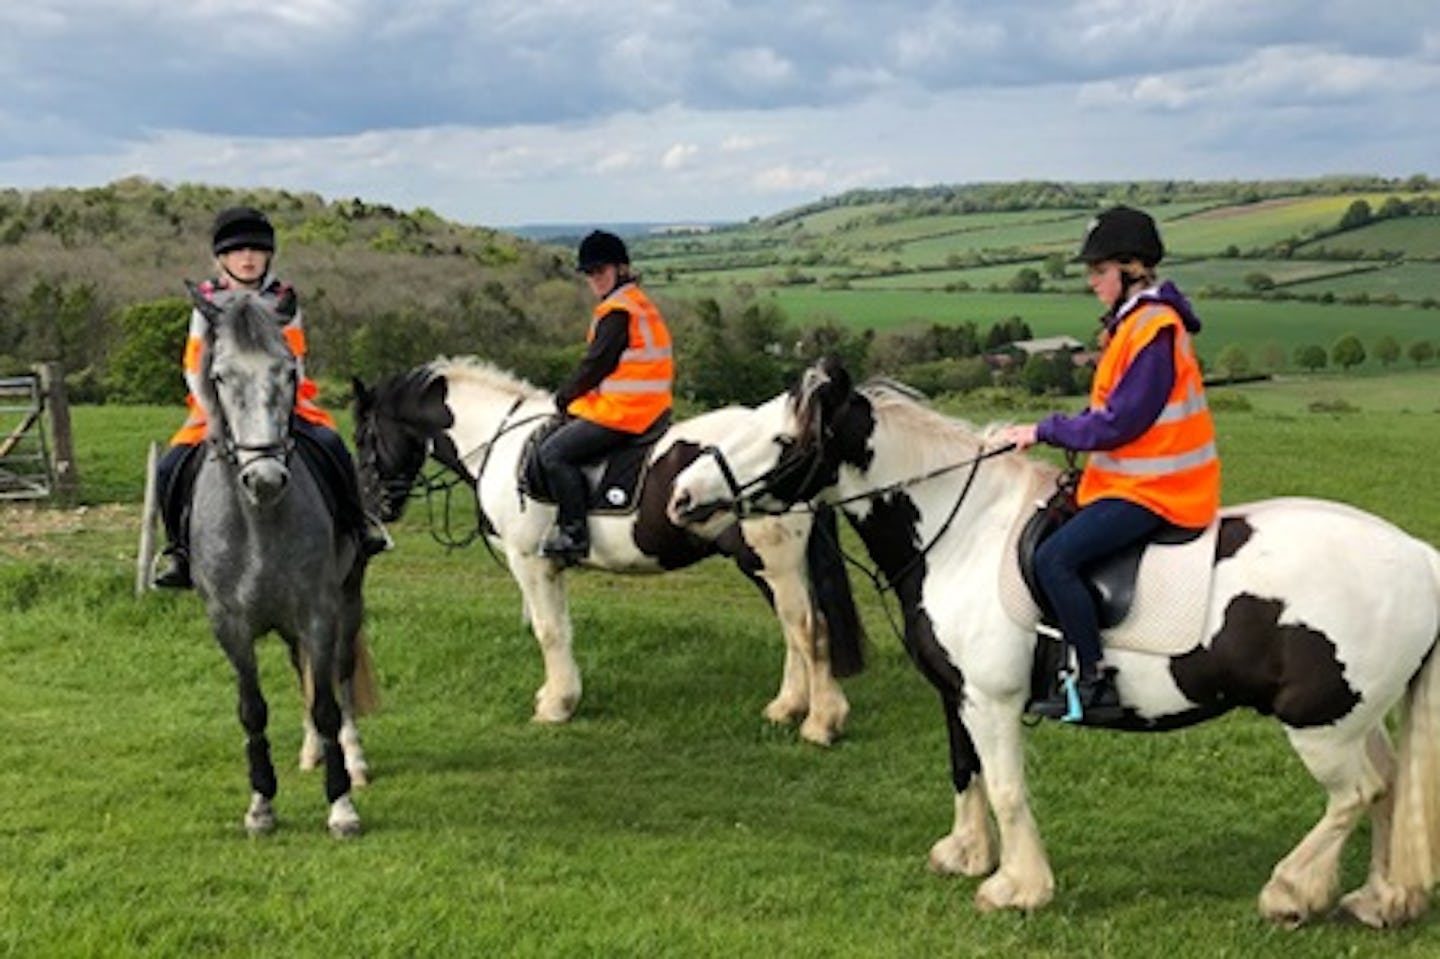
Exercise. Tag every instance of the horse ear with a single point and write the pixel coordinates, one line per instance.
(204, 304)
(364, 396)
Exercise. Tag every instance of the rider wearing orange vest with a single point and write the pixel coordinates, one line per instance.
(1149, 435)
(243, 243)
(621, 388)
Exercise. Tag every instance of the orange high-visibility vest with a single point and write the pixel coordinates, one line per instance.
(634, 396)
(1172, 468)
(307, 407)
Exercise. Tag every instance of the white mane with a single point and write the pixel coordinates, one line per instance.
(939, 439)
(484, 374)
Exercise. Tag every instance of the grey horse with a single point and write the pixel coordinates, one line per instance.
(267, 555)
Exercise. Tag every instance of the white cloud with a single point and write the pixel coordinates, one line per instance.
(503, 111)
(679, 156)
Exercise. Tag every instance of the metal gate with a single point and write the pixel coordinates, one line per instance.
(26, 471)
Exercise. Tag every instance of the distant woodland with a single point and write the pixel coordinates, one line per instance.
(92, 278)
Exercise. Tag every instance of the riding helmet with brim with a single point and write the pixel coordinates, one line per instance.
(1121, 233)
(242, 227)
(601, 249)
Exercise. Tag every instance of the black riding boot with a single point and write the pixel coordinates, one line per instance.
(1091, 697)
(176, 574)
(567, 542)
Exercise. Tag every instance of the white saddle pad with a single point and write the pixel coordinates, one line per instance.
(1172, 595)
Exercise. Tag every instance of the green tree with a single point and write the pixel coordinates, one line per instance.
(1348, 351)
(1055, 266)
(1272, 357)
(145, 367)
(1233, 361)
(1049, 374)
(1026, 280)
(1421, 352)
(1356, 215)
(1387, 350)
(1259, 282)
(1310, 357)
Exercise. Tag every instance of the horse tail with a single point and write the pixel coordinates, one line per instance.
(364, 690)
(833, 597)
(1415, 838)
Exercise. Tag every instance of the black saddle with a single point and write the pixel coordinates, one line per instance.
(338, 485)
(1111, 581)
(613, 481)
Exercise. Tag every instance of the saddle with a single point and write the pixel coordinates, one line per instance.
(1111, 581)
(614, 481)
(1150, 597)
(338, 485)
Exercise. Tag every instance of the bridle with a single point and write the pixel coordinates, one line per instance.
(222, 441)
(744, 497)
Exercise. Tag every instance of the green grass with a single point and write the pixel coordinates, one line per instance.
(668, 818)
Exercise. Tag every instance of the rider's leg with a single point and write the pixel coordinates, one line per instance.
(562, 456)
(1099, 530)
(174, 503)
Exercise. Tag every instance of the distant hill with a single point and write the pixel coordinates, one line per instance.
(381, 287)
(570, 234)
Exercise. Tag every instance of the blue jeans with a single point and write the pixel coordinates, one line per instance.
(1104, 527)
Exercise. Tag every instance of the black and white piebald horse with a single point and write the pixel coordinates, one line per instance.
(1311, 611)
(480, 422)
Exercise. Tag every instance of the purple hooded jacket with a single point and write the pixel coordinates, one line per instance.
(1136, 401)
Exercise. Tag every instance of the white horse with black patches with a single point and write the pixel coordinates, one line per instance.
(480, 422)
(1316, 613)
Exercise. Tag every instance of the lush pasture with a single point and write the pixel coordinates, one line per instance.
(668, 819)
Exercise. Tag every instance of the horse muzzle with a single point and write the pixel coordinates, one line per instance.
(265, 480)
(685, 511)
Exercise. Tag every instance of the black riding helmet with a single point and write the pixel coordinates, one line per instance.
(240, 227)
(1119, 233)
(601, 249)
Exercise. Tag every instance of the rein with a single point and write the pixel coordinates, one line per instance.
(744, 495)
(437, 482)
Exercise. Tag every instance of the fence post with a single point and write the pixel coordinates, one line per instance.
(52, 386)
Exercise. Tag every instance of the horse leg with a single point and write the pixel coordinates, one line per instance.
(1368, 904)
(319, 645)
(543, 585)
(1024, 879)
(254, 715)
(1305, 882)
(969, 849)
(808, 687)
(357, 694)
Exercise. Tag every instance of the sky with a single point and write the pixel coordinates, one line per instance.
(510, 112)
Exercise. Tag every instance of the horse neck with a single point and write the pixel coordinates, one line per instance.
(971, 503)
(481, 412)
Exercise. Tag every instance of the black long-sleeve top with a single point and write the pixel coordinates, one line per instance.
(612, 337)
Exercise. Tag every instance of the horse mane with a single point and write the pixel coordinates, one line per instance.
(253, 326)
(483, 373)
(911, 411)
(947, 439)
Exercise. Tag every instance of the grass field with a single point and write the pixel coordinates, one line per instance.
(668, 819)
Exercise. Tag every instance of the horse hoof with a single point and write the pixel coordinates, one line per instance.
(344, 821)
(817, 732)
(260, 817)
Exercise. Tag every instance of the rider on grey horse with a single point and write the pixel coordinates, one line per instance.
(243, 242)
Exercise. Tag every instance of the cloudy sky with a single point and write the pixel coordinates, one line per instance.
(504, 112)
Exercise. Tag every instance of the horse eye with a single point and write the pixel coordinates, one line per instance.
(784, 441)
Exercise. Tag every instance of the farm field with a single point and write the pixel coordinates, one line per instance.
(668, 818)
